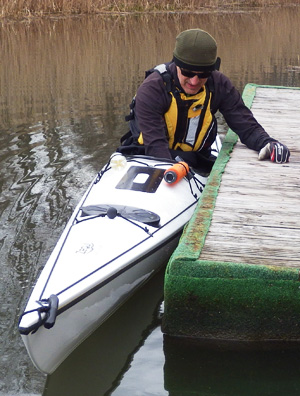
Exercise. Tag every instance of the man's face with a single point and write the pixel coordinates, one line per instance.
(190, 85)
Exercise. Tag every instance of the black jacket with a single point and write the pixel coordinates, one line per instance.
(153, 101)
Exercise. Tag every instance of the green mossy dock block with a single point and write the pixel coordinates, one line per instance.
(221, 300)
(231, 301)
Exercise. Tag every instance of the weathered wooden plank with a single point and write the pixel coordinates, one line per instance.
(251, 253)
(252, 231)
(241, 204)
(241, 252)
(258, 217)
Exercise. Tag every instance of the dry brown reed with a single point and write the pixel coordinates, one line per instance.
(75, 66)
(29, 8)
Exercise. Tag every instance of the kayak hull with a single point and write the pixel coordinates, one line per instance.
(76, 323)
(123, 230)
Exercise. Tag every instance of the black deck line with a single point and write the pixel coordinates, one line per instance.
(100, 285)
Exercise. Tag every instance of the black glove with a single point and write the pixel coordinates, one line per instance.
(277, 152)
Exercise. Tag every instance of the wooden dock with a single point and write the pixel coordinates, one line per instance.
(235, 273)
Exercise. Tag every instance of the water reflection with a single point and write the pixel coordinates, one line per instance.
(191, 369)
(65, 88)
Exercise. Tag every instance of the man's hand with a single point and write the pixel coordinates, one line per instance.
(277, 152)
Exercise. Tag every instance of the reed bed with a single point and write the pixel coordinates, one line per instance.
(74, 66)
(29, 8)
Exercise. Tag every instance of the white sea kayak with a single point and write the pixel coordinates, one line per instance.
(123, 230)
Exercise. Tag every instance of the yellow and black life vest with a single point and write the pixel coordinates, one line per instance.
(189, 120)
(190, 124)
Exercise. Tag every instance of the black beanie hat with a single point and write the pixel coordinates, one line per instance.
(195, 50)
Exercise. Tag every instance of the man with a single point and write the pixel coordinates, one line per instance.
(173, 113)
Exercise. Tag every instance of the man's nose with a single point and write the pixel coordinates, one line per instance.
(195, 80)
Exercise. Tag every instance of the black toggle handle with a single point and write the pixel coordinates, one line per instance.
(52, 313)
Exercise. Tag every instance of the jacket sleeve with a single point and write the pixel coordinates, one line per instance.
(151, 105)
(237, 115)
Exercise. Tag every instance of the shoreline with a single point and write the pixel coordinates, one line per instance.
(10, 13)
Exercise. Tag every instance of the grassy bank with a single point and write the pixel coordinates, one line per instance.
(27, 8)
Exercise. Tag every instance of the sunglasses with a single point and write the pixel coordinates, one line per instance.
(190, 74)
